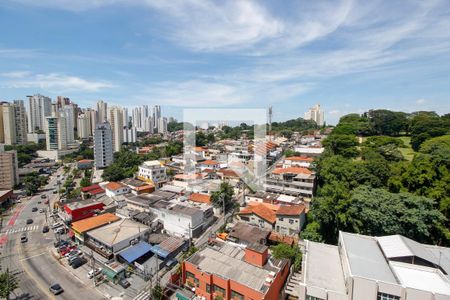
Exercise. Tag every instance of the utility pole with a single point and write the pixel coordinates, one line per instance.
(224, 211)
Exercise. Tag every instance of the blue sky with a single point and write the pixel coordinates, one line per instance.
(349, 56)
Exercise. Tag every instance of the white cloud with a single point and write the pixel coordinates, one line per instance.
(421, 101)
(54, 82)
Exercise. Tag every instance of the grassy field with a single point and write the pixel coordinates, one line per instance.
(407, 151)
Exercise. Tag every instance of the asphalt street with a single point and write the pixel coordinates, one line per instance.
(32, 260)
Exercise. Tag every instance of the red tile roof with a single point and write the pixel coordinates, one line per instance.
(290, 210)
(292, 170)
(200, 198)
(90, 188)
(229, 173)
(96, 191)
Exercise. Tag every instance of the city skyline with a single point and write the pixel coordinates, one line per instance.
(254, 54)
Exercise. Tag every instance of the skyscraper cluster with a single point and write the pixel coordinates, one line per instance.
(63, 122)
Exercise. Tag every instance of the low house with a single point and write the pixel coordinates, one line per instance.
(82, 209)
(246, 234)
(138, 187)
(200, 198)
(85, 164)
(115, 189)
(110, 239)
(153, 171)
(91, 191)
(283, 219)
(294, 181)
(298, 161)
(80, 228)
(209, 164)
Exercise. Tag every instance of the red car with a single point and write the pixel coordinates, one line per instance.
(63, 251)
(46, 201)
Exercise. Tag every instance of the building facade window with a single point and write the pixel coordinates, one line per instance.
(236, 296)
(208, 288)
(385, 296)
(190, 276)
(308, 297)
(219, 291)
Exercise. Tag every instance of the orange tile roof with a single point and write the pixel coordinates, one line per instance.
(261, 211)
(290, 210)
(210, 162)
(90, 188)
(200, 149)
(85, 160)
(201, 198)
(112, 186)
(300, 158)
(229, 173)
(271, 206)
(293, 170)
(94, 222)
(188, 176)
(275, 237)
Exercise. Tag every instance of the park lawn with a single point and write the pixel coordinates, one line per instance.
(407, 152)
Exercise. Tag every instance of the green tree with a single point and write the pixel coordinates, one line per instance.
(157, 292)
(425, 126)
(283, 251)
(8, 283)
(224, 194)
(341, 144)
(85, 182)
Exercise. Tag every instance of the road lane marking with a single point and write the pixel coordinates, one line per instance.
(30, 257)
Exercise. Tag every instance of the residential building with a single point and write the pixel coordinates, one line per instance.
(315, 114)
(84, 126)
(56, 133)
(115, 118)
(84, 164)
(298, 161)
(116, 188)
(226, 271)
(283, 219)
(309, 151)
(130, 135)
(9, 169)
(102, 111)
(246, 234)
(138, 187)
(93, 120)
(39, 108)
(294, 181)
(373, 268)
(272, 198)
(153, 171)
(103, 151)
(13, 123)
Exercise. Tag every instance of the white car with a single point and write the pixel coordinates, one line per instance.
(56, 225)
(41, 210)
(91, 273)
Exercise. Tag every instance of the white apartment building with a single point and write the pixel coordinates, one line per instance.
(115, 118)
(316, 114)
(84, 126)
(56, 131)
(39, 108)
(153, 171)
(373, 268)
(9, 168)
(102, 111)
(130, 135)
(103, 151)
(13, 123)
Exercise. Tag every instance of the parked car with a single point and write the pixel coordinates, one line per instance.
(59, 244)
(43, 196)
(34, 209)
(60, 230)
(56, 289)
(29, 221)
(124, 283)
(45, 229)
(23, 238)
(46, 201)
(94, 272)
(55, 192)
(74, 252)
(77, 262)
(56, 225)
(41, 210)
